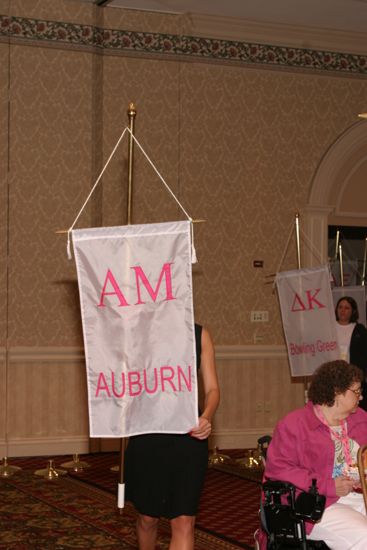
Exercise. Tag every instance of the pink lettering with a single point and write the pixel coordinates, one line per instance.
(150, 381)
(326, 346)
(146, 382)
(311, 299)
(302, 349)
(297, 300)
(181, 376)
(167, 378)
(136, 382)
(102, 385)
(115, 393)
(116, 290)
(165, 272)
(299, 305)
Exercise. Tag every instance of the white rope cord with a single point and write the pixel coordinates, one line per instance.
(193, 252)
(308, 243)
(159, 175)
(68, 248)
(285, 251)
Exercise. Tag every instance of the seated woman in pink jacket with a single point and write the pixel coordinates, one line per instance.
(320, 441)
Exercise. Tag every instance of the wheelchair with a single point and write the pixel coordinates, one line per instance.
(283, 514)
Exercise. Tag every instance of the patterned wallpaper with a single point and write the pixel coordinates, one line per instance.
(50, 172)
(237, 130)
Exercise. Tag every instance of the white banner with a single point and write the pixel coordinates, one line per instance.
(136, 302)
(308, 317)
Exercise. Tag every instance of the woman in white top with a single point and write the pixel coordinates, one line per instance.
(352, 337)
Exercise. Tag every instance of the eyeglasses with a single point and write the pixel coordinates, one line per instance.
(358, 392)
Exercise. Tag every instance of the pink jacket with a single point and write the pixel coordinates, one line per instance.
(301, 450)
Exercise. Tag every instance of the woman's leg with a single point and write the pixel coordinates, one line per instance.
(182, 529)
(146, 530)
(343, 525)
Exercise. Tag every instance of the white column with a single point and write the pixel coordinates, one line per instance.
(314, 230)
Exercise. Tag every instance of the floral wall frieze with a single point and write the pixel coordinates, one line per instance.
(179, 46)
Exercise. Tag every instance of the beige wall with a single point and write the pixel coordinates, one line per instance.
(239, 143)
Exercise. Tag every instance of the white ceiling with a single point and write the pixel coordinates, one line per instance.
(344, 15)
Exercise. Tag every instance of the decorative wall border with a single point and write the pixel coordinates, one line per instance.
(182, 46)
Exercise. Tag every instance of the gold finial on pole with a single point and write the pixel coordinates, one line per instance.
(341, 265)
(298, 242)
(362, 115)
(131, 113)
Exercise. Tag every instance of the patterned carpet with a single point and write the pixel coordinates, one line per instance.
(79, 510)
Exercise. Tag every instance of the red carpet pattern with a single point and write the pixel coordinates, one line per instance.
(229, 507)
(227, 519)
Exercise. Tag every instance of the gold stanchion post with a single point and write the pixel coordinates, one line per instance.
(298, 245)
(364, 263)
(298, 242)
(341, 265)
(131, 113)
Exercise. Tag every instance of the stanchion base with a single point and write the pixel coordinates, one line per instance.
(50, 472)
(218, 458)
(251, 461)
(76, 464)
(6, 470)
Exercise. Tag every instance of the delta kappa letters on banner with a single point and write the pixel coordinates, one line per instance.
(308, 318)
(135, 291)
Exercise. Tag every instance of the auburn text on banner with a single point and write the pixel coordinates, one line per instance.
(308, 318)
(136, 301)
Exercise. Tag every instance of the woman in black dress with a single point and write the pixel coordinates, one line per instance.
(164, 473)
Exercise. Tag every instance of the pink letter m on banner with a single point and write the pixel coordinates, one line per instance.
(135, 291)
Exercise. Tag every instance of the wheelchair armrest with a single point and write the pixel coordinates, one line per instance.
(278, 487)
(309, 506)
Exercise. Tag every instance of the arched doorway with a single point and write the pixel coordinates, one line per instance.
(338, 194)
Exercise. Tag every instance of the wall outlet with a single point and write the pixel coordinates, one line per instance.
(259, 316)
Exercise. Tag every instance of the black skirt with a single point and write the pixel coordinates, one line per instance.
(164, 474)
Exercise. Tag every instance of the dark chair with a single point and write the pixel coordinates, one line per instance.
(283, 514)
(262, 445)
